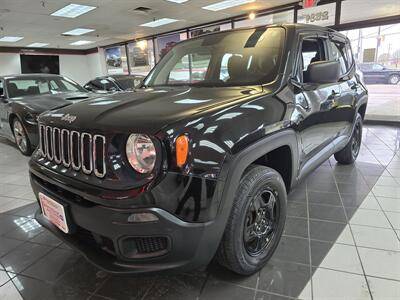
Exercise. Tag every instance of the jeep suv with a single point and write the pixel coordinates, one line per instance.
(197, 163)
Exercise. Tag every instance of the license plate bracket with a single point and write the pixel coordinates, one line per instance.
(55, 212)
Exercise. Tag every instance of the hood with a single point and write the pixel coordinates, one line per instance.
(41, 103)
(145, 110)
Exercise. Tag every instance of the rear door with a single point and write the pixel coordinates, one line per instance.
(345, 105)
(316, 101)
(3, 101)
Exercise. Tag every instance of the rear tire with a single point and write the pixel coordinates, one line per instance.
(21, 138)
(349, 154)
(256, 222)
(394, 79)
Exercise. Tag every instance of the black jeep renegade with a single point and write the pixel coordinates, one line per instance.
(198, 162)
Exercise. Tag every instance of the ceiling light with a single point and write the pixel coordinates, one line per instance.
(159, 22)
(37, 45)
(11, 39)
(178, 1)
(78, 31)
(81, 43)
(226, 4)
(73, 10)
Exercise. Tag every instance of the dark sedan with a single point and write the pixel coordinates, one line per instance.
(24, 97)
(377, 73)
(114, 83)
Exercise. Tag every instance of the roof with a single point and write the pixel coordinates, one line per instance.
(39, 75)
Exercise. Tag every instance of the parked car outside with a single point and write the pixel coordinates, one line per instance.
(183, 170)
(377, 73)
(114, 83)
(24, 97)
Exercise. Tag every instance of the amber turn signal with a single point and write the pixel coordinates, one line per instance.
(182, 150)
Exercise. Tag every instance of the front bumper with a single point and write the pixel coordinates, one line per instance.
(106, 238)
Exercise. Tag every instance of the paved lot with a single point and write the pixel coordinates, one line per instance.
(384, 102)
(341, 241)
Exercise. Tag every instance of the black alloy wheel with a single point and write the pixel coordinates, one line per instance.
(261, 222)
(350, 152)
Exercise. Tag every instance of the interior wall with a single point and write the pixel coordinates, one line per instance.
(80, 68)
(9, 64)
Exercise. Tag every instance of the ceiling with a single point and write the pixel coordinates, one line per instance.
(113, 20)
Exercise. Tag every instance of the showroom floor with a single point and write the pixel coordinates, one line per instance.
(341, 241)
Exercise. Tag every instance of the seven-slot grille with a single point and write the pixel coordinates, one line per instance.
(73, 149)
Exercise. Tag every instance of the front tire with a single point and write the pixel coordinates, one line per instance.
(256, 222)
(349, 154)
(21, 138)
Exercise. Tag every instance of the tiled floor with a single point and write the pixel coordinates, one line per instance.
(341, 241)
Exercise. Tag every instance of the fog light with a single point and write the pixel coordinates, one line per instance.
(142, 217)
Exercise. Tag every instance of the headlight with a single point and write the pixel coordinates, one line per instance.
(31, 119)
(141, 153)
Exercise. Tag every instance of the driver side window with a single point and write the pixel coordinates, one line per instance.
(312, 50)
(1, 88)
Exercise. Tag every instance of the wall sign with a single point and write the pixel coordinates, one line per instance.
(322, 15)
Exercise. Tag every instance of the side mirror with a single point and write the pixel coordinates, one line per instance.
(88, 87)
(324, 72)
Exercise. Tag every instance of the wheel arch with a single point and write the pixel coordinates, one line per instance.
(237, 165)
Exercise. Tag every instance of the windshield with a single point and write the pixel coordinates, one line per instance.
(126, 83)
(20, 87)
(244, 57)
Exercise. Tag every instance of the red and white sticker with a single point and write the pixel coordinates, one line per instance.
(54, 212)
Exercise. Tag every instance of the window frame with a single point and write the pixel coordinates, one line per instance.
(334, 39)
(323, 36)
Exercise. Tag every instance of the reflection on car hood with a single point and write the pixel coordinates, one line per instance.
(146, 110)
(41, 103)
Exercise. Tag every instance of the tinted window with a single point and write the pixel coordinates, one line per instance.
(1, 88)
(339, 54)
(20, 87)
(242, 57)
(312, 50)
(377, 67)
(126, 83)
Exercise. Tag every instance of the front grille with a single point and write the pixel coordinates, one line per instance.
(79, 151)
(147, 245)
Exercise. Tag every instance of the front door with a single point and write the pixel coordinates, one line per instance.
(319, 127)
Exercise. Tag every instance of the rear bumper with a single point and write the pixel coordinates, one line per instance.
(106, 238)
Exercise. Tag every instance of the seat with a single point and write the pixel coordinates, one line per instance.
(236, 68)
(13, 90)
(33, 90)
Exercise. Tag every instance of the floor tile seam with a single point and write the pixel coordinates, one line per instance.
(354, 241)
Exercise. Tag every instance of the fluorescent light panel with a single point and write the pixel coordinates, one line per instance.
(37, 45)
(226, 4)
(81, 43)
(11, 39)
(73, 10)
(178, 1)
(78, 31)
(159, 22)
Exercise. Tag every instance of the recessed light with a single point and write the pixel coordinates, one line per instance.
(78, 31)
(178, 1)
(226, 4)
(37, 45)
(11, 39)
(159, 22)
(73, 10)
(81, 43)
